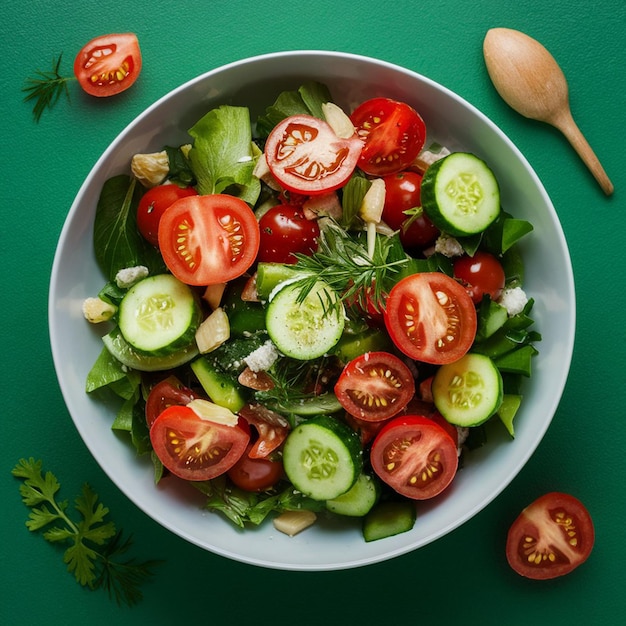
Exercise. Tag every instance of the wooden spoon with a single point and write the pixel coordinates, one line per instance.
(530, 81)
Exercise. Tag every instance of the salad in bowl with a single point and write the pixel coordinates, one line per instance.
(318, 318)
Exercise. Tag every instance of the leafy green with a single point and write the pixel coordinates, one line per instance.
(94, 544)
(343, 262)
(222, 156)
(117, 242)
(307, 100)
(242, 507)
(46, 87)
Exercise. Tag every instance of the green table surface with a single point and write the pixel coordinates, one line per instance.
(461, 578)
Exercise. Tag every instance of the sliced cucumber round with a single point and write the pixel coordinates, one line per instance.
(322, 457)
(359, 499)
(305, 328)
(124, 353)
(469, 391)
(159, 315)
(460, 194)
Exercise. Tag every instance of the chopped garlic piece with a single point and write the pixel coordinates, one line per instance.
(213, 332)
(150, 169)
(371, 209)
(212, 412)
(97, 310)
(337, 119)
(293, 522)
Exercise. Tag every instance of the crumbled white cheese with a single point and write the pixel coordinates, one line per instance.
(462, 435)
(262, 358)
(513, 300)
(128, 276)
(448, 246)
(97, 310)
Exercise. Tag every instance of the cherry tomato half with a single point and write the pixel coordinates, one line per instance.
(431, 318)
(255, 474)
(285, 231)
(305, 156)
(109, 64)
(375, 386)
(166, 393)
(481, 274)
(415, 456)
(402, 193)
(394, 133)
(211, 239)
(552, 536)
(271, 429)
(193, 448)
(152, 206)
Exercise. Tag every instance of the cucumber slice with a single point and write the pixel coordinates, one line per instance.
(311, 405)
(469, 391)
(125, 354)
(305, 329)
(219, 386)
(358, 500)
(322, 458)
(159, 315)
(460, 194)
(388, 519)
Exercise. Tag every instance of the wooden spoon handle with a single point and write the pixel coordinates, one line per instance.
(566, 124)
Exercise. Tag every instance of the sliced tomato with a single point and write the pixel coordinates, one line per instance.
(109, 64)
(431, 318)
(166, 393)
(193, 448)
(394, 133)
(210, 239)
(255, 474)
(552, 536)
(481, 274)
(375, 386)
(152, 206)
(415, 456)
(305, 156)
(271, 429)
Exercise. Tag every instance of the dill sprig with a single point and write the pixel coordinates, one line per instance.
(95, 546)
(343, 262)
(46, 87)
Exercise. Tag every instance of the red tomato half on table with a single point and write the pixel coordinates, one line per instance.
(415, 456)
(193, 448)
(109, 64)
(306, 156)
(375, 386)
(152, 206)
(207, 240)
(285, 231)
(551, 537)
(431, 318)
(394, 134)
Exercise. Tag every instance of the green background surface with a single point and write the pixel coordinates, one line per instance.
(461, 578)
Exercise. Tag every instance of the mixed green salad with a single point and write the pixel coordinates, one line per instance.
(312, 313)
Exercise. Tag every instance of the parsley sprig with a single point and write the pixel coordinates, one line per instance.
(46, 87)
(93, 555)
(345, 264)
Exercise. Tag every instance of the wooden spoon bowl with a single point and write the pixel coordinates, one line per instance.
(530, 81)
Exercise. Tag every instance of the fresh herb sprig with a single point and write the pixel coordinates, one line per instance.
(95, 545)
(342, 260)
(46, 87)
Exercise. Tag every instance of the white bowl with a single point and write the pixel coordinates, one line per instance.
(450, 120)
